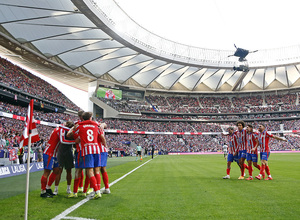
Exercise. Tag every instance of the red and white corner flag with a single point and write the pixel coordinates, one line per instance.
(30, 128)
(30, 135)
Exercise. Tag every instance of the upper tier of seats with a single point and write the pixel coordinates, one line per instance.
(16, 77)
(226, 104)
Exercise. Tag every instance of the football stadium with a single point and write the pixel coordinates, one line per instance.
(149, 109)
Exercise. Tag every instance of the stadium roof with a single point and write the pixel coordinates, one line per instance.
(89, 40)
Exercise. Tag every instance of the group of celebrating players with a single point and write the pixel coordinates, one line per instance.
(90, 154)
(243, 144)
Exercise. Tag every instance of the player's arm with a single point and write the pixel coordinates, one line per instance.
(256, 145)
(70, 133)
(103, 140)
(77, 140)
(63, 138)
(278, 138)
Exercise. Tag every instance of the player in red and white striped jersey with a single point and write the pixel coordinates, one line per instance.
(232, 151)
(79, 160)
(86, 134)
(50, 159)
(104, 156)
(252, 156)
(263, 139)
(241, 134)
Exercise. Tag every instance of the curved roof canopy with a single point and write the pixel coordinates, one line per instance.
(98, 40)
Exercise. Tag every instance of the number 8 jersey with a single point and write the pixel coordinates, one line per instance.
(87, 132)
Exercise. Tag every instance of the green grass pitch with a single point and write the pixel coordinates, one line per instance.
(170, 187)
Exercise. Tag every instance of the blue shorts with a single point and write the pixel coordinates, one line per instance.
(91, 160)
(252, 157)
(104, 156)
(264, 155)
(78, 160)
(49, 162)
(231, 158)
(242, 154)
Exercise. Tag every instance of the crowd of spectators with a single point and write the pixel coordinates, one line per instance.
(157, 100)
(18, 78)
(247, 100)
(57, 118)
(127, 106)
(213, 101)
(183, 105)
(288, 99)
(11, 130)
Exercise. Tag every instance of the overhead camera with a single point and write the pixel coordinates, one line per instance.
(242, 63)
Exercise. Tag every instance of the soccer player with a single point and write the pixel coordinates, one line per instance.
(50, 161)
(241, 134)
(225, 150)
(65, 159)
(138, 153)
(252, 156)
(263, 139)
(104, 156)
(232, 151)
(86, 133)
(109, 94)
(79, 158)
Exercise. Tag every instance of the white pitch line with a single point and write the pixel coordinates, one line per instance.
(77, 205)
(77, 218)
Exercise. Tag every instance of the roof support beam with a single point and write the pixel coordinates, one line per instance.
(239, 81)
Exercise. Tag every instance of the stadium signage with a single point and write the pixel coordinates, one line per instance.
(4, 171)
(18, 169)
(13, 170)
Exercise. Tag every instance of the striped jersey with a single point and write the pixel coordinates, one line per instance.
(232, 144)
(251, 142)
(263, 139)
(103, 149)
(241, 139)
(87, 132)
(57, 136)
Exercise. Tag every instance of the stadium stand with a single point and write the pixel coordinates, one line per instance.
(18, 78)
(184, 109)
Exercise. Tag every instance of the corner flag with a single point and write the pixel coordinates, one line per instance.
(30, 134)
(30, 128)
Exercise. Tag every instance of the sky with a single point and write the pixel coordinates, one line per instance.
(218, 24)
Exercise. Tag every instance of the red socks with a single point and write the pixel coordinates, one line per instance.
(258, 167)
(86, 184)
(81, 179)
(262, 169)
(43, 182)
(250, 169)
(243, 169)
(93, 182)
(268, 170)
(98, 179)
(76, 184)
(51, 179)
(106, 182)
(228, 173)
(245, 165)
